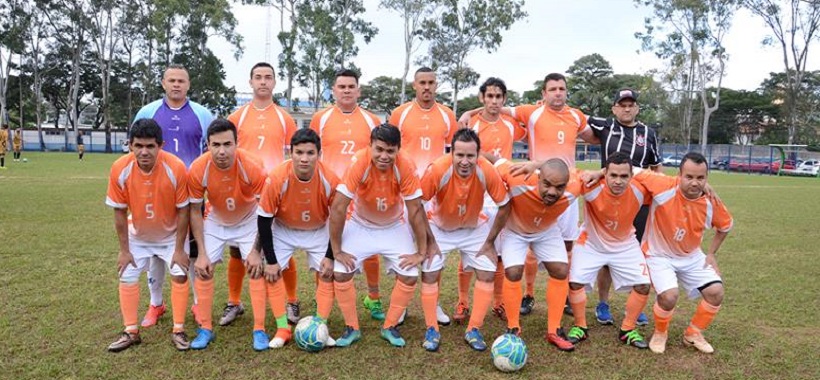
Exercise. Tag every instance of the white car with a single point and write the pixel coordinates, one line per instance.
(809, 167)
(672, 160)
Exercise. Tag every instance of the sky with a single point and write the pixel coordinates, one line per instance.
(550, 39)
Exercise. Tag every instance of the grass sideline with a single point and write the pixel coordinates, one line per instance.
(60, 310)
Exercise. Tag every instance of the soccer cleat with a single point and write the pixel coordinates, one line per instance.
(204, 337)
(658, 342)
(349, 337)
(515, 331)
(475, 340)
(633, 338)
(260, 340)
(432, 339)
(375, 307)
(603, 314)
(126, 340)
(293, 312)
(180, 341)
(642, 319)
(699, 342)
(442, 317)
(282, 337)
(558, 341)
(393, 336)
(401, 319)
(152, 315)
(577, 334)
(462, 313)
(330, 342)
(527, 304)
(230, 313)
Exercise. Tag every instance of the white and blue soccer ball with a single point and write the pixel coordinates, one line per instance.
(509, 353)
(310, 334)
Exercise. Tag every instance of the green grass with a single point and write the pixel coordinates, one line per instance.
(58, 291)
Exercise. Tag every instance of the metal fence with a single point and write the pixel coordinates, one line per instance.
(741, 158)
(55, 140)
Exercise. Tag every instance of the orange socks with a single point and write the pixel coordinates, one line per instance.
(205, 295)
(258, 292)
(530, 271)
(464, 279)
(429, 300)
(482, 297)
(346, 297)
(291, 280)
(371, 273)
(324, 299)
(662, 318)
(578, 302)
(703, 317)
(498, 287)
(557, 291)
(236, 274)
(634, 304)
(399, 299)
(276, 298)
(129, 302)
(179, 304)
(512, 297)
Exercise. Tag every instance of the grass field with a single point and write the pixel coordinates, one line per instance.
(58, 293)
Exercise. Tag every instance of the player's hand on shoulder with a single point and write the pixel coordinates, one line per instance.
(526, 168)
(123, 259)
(710, 192)
(590, 177)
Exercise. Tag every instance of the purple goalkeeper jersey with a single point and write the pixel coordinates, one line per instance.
(183, 130)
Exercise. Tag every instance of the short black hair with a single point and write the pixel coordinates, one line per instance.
(493, 82)
(174, 66)
(306, 135)
(424, 69)
(466, 135)
(695, 157)
(554, 77)
(263, 64)
(220, 125)
(387, 133)
(618, 158)
(346, 73)
(145, 129)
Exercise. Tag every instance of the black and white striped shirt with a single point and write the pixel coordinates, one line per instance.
(639, 142)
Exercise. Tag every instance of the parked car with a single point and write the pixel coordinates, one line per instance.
(672, 160)
(756, 165)
(809, 167)
(721, 163)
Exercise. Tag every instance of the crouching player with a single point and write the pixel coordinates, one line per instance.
(608, 239)
(455, 184)
(293, 215)
(232, 181)
(152, 185)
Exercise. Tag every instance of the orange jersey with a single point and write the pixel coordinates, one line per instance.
(265, 133)
(529, 213)
(152, 198)
(342, 134)
(497, 137)
(608, 218)
(297, 204)
(424, 133)
(551, 134)
(233, 193)
(676, 224)
(378, 197)
(458, 202)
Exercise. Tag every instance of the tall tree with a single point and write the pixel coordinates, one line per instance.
(13, 29)
(590, 84)
(741, 116)
(383, 94)
(414, 13)
(106, 42)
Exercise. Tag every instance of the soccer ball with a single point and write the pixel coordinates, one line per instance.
(310, 334)
(25, 159)
(509, 353)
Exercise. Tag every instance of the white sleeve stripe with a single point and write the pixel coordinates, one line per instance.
(195, 200)
(183, 204)
(110, 202)
(416, 194)
(342, 188)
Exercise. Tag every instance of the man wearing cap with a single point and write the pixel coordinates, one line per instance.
(625, 134)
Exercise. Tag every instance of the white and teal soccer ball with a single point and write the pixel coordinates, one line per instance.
(310, 334)
(509, 353)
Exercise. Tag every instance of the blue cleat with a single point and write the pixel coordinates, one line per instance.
(432, 339)
(602, 314)
(642, 319)
(475, 340)
(204, 337)
(393, 336)
(260, 340)
(349, 337)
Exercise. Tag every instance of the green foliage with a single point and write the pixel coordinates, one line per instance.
(740, 113)
(589, 84)
(383, 94)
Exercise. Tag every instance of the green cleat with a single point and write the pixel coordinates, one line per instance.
(375, 308)
(393, 336)
(349, 337)
(577, 334)
(633, 338)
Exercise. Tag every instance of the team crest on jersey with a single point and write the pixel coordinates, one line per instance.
(641, 140)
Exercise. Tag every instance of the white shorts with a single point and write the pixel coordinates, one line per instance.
(568, 222)
(490, 207)
(466, 240)
(287, 240)
(628, 267)
(218, 236)
(143, 252)
(391, 242)
(666, 272)
(547, 245)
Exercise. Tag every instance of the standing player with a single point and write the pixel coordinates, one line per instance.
(455, 185)
(427, 129)
(293, 215)
(679, 215)
(608, 239)
(80, 145)
(184, 124)
(497, 133)
(151, 185)
(625, 134)
(4, 145)
(264, 130)
(345, 129)
(382, 183)
(232, 180)
(17, 143)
